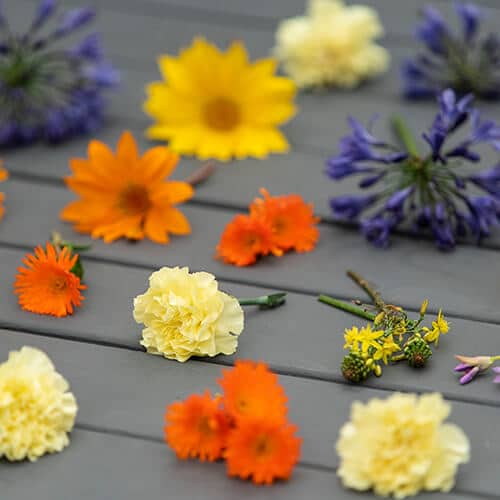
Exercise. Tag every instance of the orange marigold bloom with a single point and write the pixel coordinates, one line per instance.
(126, 195)
(262, 449)
(197, 427)
(252, 390)
(244, 239)
(291, 219)
(46, 285)
(3, 176)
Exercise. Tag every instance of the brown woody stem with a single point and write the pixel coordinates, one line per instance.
(374, 295)
(202, 174)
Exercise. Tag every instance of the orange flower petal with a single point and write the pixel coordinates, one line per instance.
(127, 151)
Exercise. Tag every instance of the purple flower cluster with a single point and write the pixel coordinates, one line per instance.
(466, 62)
(48, 92)
(431, 193)
(470, 367)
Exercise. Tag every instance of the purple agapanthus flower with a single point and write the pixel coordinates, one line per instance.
(472, 366)
(51, 93)
(427, 192)
(465, 61)
(496, 380)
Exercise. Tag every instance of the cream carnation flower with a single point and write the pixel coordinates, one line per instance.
(36, 408)
(186, 315)
(400, 446)
(332, 45)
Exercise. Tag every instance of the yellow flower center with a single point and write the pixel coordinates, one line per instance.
(222, 114)
(134, 199)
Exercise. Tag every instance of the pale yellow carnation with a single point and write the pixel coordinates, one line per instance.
(400, 446)
(332, 44)
(186, 315)
(36, 408)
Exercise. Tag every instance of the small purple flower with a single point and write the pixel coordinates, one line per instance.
(465, 61)
(347, 207)
(71, 82)
(377, 230)
(472, 366)
(396, 201)
(496, 380)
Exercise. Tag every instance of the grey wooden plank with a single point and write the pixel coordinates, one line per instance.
(303, 338)
(408, 272)
(111, 385)
(110, 468)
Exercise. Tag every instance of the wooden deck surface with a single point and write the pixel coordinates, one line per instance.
(116, 450)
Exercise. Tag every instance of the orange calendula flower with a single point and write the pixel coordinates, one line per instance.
(263, 450)
(46, 285)
(197, 427)
(3, 176)
(291, 219)
(244, 239)
(252, 390)
(125, 195)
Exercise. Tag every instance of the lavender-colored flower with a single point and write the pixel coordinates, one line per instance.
(464, 61)
(429, 191)
(496, 380)
(472, 366)
(49, 93)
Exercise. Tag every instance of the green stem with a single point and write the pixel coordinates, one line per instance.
(346, 306)
(374, 295)
(265, 301)
(404, 135)
(494, 358)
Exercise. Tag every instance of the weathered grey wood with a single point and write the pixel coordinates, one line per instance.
(111, 385)
(303, 338)
(409, 272)
(106, 467)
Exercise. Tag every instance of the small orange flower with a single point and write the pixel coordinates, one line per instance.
(252, 390)
(262, 449)
(197, 427)
(244, 239)
(3, 176)
(46, 285)
(126, 195)
(291, 219)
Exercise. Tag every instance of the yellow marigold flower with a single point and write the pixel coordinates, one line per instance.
(386, 349)
(401, 446)
(36, 408)
(186, 315)
(216, 104)
(440, 326)
(333, 44)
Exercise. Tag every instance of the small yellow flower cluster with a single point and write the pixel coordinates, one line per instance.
(186, 315)
(333, 45)
(36, 408)
(440, 326)
(401, 446)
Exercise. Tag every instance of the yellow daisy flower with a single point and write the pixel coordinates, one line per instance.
(352, 337)
(368, 338)
(386, 349)
(440, 326)
(215, 104)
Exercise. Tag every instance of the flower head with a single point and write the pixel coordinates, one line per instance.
(472, 366)
(37, 411)
(125, 195)
(465, 61)
(197, 427)
(262, 449)
(385, 349)
(290, 218)
(332, 45)
(185, 314)
(46, 285)
(251, 390)
(244, 239)
(401, 446)
(3, 176)
(216, 104)
(49, 91)
(435, 192)
(440, 326)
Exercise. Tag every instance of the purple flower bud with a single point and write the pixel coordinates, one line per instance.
(496, 380)
(74, 19)
(371, 180)
(45, 9)
(377, 230)
(396, 201)
(103, 75)
(469, 375)
(350, 206)
(469, 16)
(88, 48)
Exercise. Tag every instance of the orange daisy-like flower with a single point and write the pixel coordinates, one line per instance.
(244, 239)
(126, 195)
(252, 390)
(291, 219)
(46, 285)
(197, 427)
(262, 449)
(3, 176)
